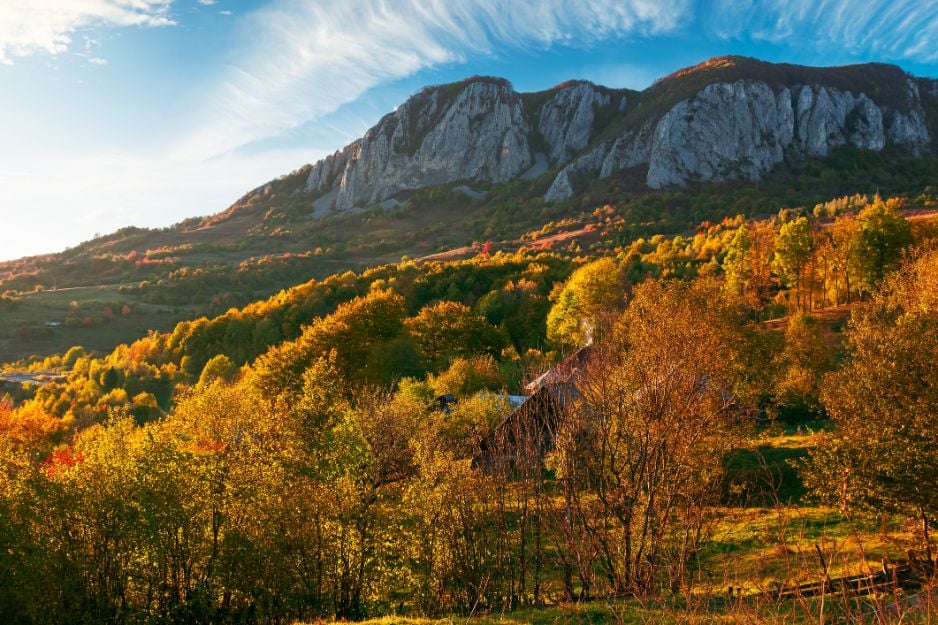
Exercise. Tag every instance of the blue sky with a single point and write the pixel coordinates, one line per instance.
(144, 112)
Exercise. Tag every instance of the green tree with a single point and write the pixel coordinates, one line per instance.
(736, 262)
(586, 303)
(883, 454)
(792, 252)
(805, 358)
(218, 367)
(448, 330)
(881, 236)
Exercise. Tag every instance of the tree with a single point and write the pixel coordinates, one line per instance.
(218, 367)
(736, 262)
(356, 332)
(660, 410)
(467, 376)
(792, 253)
(520, 310)
(883, 455)
(805, 358)
(586, 303)
(448, 330)
(761, 252)
(881, 236)
(841, 243)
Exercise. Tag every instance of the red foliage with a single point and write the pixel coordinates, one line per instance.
(61, 459)
(486, 248)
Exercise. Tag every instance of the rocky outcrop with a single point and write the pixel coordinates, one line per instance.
(566, 120)
(476, 130)
(728, 129)
(734, 130)
(480, 133)
(742, 130)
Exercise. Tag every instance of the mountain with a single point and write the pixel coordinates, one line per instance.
(476, 161)
(730, 118)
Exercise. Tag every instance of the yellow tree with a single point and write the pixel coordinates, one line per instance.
(586, 303)
(883, 455)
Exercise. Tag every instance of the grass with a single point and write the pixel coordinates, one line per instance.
(35, 309)
(701, 610)
(620, 612)
(774, 542)
(754, 550)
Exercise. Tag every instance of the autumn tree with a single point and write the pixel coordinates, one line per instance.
(761, 252)
(661, 410)
(792, 252)
(841, 240)
(881, 236)
(586, 303)
(883, 455)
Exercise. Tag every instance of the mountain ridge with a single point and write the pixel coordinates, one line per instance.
(577, 151)
(481, 129)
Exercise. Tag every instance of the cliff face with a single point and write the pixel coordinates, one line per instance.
(737, 123)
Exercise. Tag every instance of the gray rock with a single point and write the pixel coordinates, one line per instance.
(589, 163)
(736, 130)
(561, 189)
(479, 134)
(829, 118)
(728, 130)
(630, 150)
(566, 119)
(909, 130)
(539, 167)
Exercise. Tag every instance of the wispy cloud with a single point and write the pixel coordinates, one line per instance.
(306, 59)
(29, 27)
(888, 29)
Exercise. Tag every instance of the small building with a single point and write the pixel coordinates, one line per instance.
(529, 432)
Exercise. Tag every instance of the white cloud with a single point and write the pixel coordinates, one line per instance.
(97, 60)
(887, 29)
(307, 58)
(46, 26)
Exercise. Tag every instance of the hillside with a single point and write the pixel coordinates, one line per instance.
(365, 445)
(471, 162)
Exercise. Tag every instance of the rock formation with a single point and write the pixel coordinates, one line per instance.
(727, 119)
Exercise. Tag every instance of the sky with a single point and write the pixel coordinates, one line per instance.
(146, 112)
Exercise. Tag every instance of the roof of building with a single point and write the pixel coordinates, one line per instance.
(567, 371)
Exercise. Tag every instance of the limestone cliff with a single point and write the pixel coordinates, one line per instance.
(727, 119)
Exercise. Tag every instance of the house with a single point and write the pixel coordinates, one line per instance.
(529, 432)
(566, 372)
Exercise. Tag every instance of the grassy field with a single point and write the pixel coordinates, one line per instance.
(36, 309)
(917, 609)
